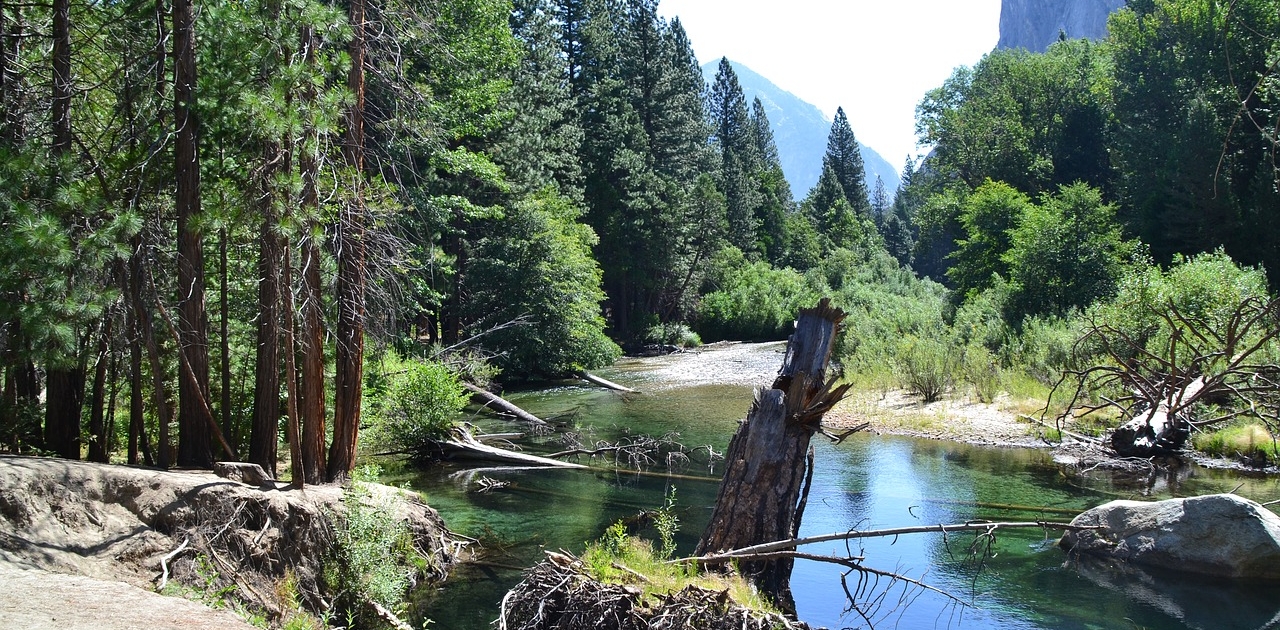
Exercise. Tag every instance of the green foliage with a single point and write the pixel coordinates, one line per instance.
(927, 365)
(673, 334)
(411, 402)
(981, 370)
(667, 524)
(751, 300)
(988, 217)
(1207, 287)
(1066, 254)
(536, 264)
(373, 557)
(1035, 121)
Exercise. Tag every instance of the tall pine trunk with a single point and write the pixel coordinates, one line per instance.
(351, 267)
(224, 343)
(195, 446)
(99, 447)
(264, 434)
(64, 396)
(313, 383)
(64, 402)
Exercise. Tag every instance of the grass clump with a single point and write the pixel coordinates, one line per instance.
(1249, 440)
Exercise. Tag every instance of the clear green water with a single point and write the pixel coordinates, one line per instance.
(867, 482)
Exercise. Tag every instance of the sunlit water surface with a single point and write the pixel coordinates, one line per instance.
(866, 482)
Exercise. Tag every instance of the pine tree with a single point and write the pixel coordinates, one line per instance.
(844, 158)
(740, 160)
(775, 191)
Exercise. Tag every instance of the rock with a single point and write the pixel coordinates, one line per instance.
(1035, 24)
(244, 472)
(1221, 535)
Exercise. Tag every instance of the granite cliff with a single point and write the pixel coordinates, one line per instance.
(1035, 24)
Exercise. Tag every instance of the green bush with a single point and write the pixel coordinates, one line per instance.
(672, 334)
(927, 366)
(373, 557)
(981, 370)
(752, 301)
(412, 402)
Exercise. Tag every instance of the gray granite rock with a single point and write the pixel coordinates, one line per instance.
(1221, 535)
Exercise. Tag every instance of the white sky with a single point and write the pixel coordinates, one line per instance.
(875, 58)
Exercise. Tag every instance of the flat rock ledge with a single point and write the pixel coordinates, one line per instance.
(122, 524)
(1219, 535)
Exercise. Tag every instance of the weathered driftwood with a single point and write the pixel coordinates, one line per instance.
(1160, 430)
(607, 384)
(490, 398)
(461, 445)
(762, 497)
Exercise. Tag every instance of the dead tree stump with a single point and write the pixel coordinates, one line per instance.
(769, 460)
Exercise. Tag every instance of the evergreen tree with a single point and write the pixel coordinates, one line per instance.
(844, 158)
(740, 159)
(775, 192)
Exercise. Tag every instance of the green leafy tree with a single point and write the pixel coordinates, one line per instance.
(1033, 120)
(536, 266)
(1193, 143)
(1066, 254)
(775, 193)
(988, 218)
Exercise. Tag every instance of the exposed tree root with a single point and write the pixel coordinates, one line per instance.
(556, 595)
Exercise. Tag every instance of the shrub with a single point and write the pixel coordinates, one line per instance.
(413, 402)
(926, 366)
(752, 301)
(373, 557)
(980, 370)
(672, 334)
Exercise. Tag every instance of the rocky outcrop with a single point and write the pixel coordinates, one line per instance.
(1220, 535)
(118, 523)
(1035, 24)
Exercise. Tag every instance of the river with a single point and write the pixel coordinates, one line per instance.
(868, 481)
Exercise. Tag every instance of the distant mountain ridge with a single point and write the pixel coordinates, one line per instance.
(1036, 24)
(800, 130)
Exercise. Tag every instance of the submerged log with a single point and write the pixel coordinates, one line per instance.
(607, 384)
(762, 497)
(490, 398)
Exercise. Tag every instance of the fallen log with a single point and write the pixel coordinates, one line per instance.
(607, 384)
(490, 398)
(462, 445)
(1161, 430)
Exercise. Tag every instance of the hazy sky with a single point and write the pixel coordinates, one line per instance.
(875, 58)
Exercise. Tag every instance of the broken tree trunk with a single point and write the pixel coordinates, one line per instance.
(490, 398)
(762, 496)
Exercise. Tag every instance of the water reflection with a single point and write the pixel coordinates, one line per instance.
(866, 482)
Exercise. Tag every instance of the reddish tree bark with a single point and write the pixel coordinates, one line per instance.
(195, 446)
(351, 267)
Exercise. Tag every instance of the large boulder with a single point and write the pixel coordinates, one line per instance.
(1220, 535)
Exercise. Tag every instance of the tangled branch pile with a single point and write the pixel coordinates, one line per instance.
(557, 595)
